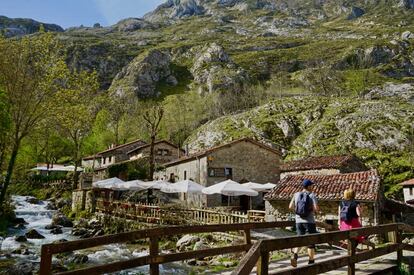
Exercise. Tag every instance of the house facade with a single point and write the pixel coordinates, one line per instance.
(323, 165)
(408, 191)
(329, 190)
(112, 155)
(164, 151)
(241, 160)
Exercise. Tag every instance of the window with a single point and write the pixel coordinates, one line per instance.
(165, 152)
(110, 159)
(411, 191)
(172, 178)
(216, 172)
(185, 175)
(159, 152)
(228, 172)
(104, 160)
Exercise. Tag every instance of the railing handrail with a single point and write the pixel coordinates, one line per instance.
(252, 256)
(154, 234)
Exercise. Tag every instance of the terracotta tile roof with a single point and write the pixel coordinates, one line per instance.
(407, 182)
(157, 142)
(121, 146)
(314, 163)
(205, 152)
(330, 187)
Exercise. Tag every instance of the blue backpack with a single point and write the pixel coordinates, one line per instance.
(304, 205)
(345, 214)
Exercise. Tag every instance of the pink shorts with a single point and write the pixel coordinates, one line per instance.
(354, 223)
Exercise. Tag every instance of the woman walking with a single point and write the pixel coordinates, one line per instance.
(349, 213)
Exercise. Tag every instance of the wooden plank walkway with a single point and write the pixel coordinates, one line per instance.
(373, 266)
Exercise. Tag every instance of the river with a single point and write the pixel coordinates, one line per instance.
(38, 216)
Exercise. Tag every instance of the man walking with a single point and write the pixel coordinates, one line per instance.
(305, 205)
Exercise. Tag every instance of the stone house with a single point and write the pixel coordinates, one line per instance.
(241, 160)
(164, 151)
(114, 154)
(329, 190)
(323, 165)
(408, 190)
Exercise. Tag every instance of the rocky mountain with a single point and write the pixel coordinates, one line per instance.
(21, 26)
(242, 50)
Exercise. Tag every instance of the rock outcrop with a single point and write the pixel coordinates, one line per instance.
(143, 74)
(59, 219)
(23, 26)
(33, 234)
(214, 71)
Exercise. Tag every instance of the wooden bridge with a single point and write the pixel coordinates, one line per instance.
(256, 254)
(152, 213)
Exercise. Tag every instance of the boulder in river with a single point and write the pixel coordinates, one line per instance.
(186, 241)
(20, 238)
(22, 268)
(60, 219)
(33, 234)
(57, 230)
(32, 200)
(18, 221)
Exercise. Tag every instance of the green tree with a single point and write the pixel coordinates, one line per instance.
(324, 81)
(4, 128)
(152, 117)
(29, 68)
(76, 111)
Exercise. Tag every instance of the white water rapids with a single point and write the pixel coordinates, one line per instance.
(37, 217)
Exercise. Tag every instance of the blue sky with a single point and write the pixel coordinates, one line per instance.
(68, 13)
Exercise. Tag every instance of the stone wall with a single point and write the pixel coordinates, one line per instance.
(78, 200)
(83, 200)
(248, 162)
(278, 210)
(166, 154)
(195, 170)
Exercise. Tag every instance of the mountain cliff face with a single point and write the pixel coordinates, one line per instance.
(228, 47)
(22, 26)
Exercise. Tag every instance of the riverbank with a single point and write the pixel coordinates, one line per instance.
(20, 252)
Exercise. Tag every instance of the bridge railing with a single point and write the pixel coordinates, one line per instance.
(153, 213)
(260, 251)
(155, 258)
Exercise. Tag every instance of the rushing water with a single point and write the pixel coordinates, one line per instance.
(37, 217)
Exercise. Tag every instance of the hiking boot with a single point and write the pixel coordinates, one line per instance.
(294, 260)
(311, 262)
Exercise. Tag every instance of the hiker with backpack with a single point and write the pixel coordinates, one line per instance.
(305, 205)
(349, 213)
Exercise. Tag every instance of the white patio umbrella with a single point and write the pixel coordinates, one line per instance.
(132, 185)
(229, 188)
(107, 183)
(255, 186)
(156, 184)
(184, 186)
(269, 185)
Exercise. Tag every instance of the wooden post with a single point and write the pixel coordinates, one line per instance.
(263, 263)
(45, 262)
(351, 254)
(154, 268)
(398, 240)
(247, 236)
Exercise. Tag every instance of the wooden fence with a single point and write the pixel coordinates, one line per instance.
(152, 213)
(259, 252)
(155, 258)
